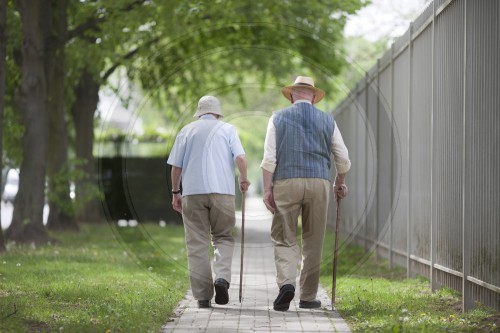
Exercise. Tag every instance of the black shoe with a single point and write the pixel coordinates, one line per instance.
(310, 304)
(204, 304)
(282, 302)
(221, 295)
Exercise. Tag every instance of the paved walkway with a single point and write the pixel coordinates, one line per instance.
(255, 313)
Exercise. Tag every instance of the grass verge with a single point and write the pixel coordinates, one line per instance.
(101, 279)
(373, 298)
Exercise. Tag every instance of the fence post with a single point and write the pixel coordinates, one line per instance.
(408, 211)
(432, 271)
(367, 144)
(467, 301)
(376, 238)
(391, 259)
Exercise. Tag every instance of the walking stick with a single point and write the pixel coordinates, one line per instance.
(242, 239)
(334, 277)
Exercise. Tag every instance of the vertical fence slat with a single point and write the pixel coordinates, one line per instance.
(467, 302)
(393, 169)
(408, 135)
(433, 272)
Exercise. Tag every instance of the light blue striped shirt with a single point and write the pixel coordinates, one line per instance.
(205, 150)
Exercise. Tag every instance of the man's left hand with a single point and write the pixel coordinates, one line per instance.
(340, 191)
(177, 202)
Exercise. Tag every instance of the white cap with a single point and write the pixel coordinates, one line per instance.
(208, 104)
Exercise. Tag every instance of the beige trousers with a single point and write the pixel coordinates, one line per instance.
(309, 196)
(208, 217)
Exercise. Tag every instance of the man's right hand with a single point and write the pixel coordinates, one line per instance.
(269, 201)
(244, 184)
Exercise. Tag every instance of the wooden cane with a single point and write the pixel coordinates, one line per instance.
(242, 240)
(335, 252)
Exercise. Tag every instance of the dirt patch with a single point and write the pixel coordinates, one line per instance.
(38, 327)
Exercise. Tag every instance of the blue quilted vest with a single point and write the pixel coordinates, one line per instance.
(303, 141)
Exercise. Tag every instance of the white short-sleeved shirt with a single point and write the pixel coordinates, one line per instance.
(205, 150)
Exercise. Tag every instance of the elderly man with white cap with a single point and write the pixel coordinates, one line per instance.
(203, 157)
(296, 171)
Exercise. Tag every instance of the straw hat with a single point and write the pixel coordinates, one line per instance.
(208, 104)
(303, 82)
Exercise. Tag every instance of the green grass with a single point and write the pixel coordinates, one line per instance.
(373, 298)
(101, 279)
(130, 280)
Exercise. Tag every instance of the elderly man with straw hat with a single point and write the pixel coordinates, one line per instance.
(296, 171)
(203, 157)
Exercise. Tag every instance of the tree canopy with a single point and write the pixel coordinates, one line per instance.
(173, 52)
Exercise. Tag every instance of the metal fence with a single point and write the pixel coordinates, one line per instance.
(423, 131)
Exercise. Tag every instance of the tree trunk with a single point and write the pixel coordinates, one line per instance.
(27, 221)
(3, 67)
(60, 204)
(83, 110)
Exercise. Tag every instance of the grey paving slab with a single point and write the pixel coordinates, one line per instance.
(255, 313)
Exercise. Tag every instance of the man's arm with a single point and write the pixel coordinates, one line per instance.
(268, 165)
(340, 152)
(342, 164)
(176, 186)
(267, 178)
(241, 163)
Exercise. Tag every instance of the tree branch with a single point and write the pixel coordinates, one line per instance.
(128, 56)
(92, 23)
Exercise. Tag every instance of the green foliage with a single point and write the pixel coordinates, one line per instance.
(180, 50)
(223, 46)
(72, 172)
(218, 50)
(373, 298)
(12, 137)
(100, 280)
(12, 123)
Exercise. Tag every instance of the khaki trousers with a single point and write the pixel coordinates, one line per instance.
(208, 217)
(293, 196)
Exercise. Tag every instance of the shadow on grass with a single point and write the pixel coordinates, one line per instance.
(353, 261)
